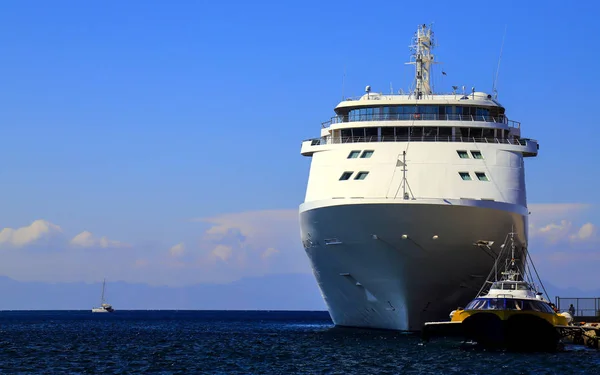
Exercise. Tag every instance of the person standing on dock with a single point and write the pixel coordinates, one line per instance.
(572, 310)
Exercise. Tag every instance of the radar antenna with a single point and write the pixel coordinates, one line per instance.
(494, 89)
(422, 58)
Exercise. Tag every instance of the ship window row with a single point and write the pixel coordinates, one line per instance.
(365, 154)
(359, 176)
(405, 133)
(426, 112)
(429, 109)
(508, 304)
(463, 154)
(466, 176)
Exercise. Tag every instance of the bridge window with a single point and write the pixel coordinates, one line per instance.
(361, 175)
(354, 154)
(462, 154)
(445, 132)
(416, 132)
(465, 176)
(487, 133)
(433, 112)
(476, 154)
(358, 132)
(402, 133)
(430, 132)
(481, 176)
(366, 154)
(371, 134)
(346, 176)
(387, 133)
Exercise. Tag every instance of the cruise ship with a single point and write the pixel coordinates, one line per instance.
(409, 197)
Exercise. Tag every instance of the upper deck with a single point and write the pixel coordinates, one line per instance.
(478, 106)
(421, 115)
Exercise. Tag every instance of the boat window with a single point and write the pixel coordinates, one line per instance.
(467, 177)
(346, 176)
(430, 112)
(487, 133)
(495, 285)
(481, 176)
(358, 132)
(402, 133)
(371, 134)
(366, 154)
(361, 175)
(462, 154)
(522, 286)
(387, 133)
(537, 306)
(445, 132)
(476, 154)
(477, 304)
(346, 134)
(496, 304)
(514, 304)
(430, 132)
(508, 286)
(416, 132)
(543, 306)
(532, 306)
(354, 154)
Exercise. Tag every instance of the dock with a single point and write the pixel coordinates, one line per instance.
(587, 334)
(587, 310)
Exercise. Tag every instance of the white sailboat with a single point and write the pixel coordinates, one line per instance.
(104, 307)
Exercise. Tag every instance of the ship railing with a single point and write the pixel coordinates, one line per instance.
(418, 138)
(382, 96)
(420, 117)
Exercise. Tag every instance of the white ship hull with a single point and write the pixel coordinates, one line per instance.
(100, 310)
(370, 276)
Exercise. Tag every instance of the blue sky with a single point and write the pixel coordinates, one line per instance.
(130, 119)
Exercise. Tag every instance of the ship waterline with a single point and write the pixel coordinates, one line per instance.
(396, 265)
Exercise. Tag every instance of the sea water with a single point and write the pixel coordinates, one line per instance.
(245, 342)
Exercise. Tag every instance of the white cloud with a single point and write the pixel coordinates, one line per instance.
(587, 232)
(222, 252)
(563, 243)
(552, 211)
(177, 250)
(249, 243)
(28, 235)
(559, 224)
(563, 232)
(269, 253)
(87, 239)
(216, 249)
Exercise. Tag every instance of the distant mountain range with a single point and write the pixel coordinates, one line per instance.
(272, 292)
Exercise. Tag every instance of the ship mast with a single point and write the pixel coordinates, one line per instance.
(422, 58)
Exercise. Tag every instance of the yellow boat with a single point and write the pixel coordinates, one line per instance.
(510, 314)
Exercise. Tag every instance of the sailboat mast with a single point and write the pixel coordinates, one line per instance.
(103, 285)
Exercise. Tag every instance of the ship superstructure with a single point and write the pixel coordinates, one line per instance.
(407, 195)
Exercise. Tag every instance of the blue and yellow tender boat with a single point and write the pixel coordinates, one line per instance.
(510, 314)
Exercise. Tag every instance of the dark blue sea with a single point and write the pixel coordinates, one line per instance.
(245, 342)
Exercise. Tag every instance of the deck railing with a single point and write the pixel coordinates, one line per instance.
(421, 138)
(420, 117)
(584, 307)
